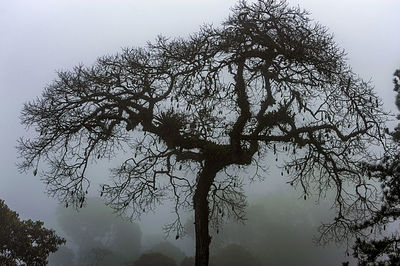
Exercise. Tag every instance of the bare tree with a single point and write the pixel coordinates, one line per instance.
(191, 114)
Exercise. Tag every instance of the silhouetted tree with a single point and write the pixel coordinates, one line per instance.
(191, 113)
(24, 241)
(379, 235)
(151, 259)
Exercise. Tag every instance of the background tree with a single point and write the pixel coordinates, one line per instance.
(192, 113)
(234, 255)
(379, 237)
(188, 261)
(64, 256)
(150, 259)
(99, 234)
(168, 249)
(24, 241)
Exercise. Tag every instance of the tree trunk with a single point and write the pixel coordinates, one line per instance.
(203, 238)
(201, 213)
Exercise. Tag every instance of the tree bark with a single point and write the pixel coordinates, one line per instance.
(201, 214)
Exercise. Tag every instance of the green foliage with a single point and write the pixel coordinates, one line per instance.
(24, 241)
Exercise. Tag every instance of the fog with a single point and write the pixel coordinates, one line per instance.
(40, 37)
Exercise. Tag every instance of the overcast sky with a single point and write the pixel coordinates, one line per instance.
(39, 37)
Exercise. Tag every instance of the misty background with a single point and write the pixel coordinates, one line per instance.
(39, 37)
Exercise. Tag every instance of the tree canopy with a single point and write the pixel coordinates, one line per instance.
(192, 113)
(24, 241)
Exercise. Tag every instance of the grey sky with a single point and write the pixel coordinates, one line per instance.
(39, 37)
